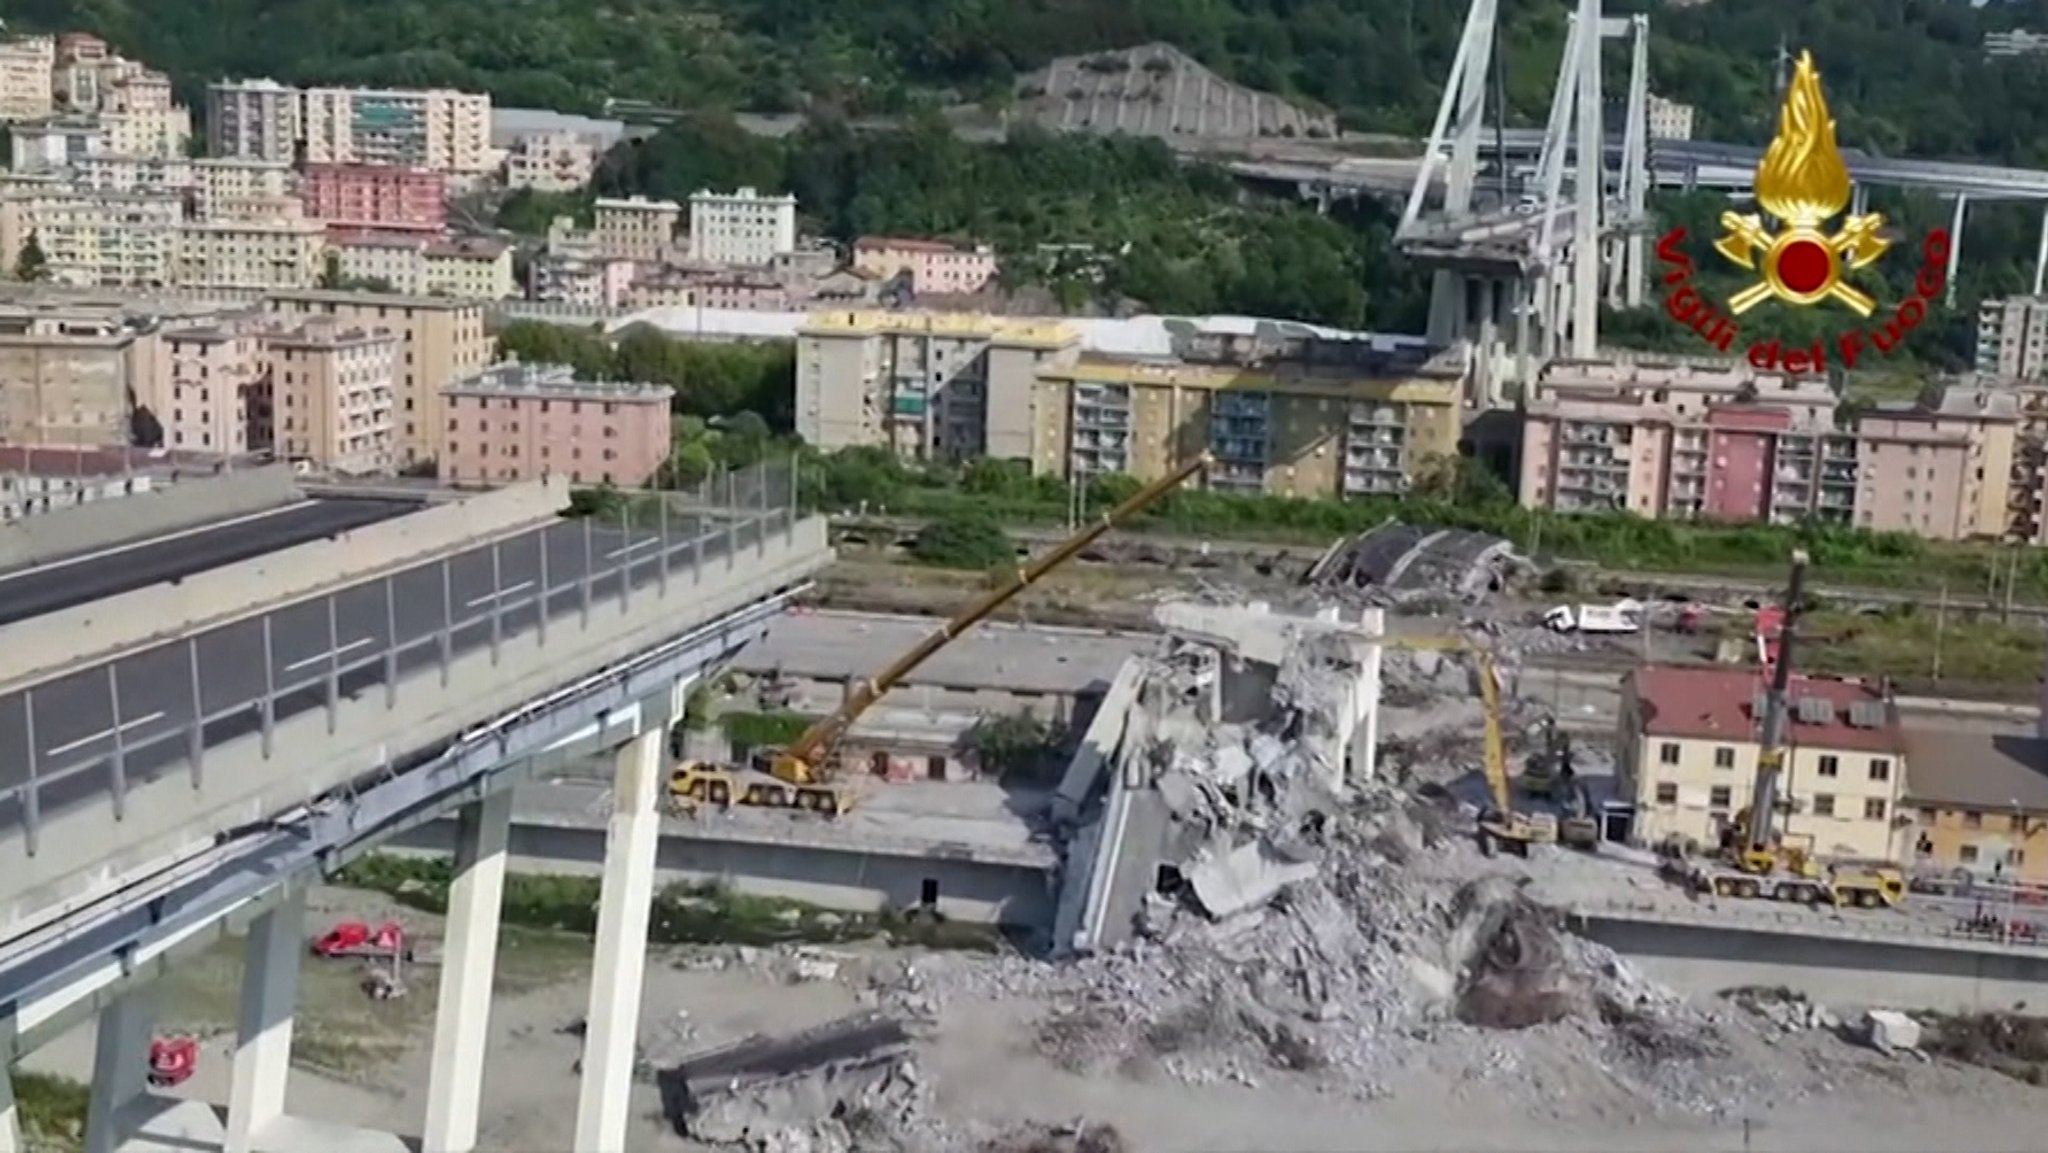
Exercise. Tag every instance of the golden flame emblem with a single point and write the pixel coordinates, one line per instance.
(1803, 183)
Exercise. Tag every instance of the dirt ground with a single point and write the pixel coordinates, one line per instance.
(366, 1063)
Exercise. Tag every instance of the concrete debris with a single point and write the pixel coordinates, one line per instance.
(833, 1089)
(1401, 563)
(1891, 1032)
(1785, 1010)
(1244, 879)
(1079, 1137)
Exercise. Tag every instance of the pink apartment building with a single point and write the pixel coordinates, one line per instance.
(514, 422)
(375, 197)
(935, 266)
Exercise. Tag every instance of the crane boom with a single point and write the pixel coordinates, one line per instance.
(797, 761)
(1496, 743)
(1761, 834)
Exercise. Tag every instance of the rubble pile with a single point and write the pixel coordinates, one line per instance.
(1079, 1137)
(845, 1085)
(1782, 1010)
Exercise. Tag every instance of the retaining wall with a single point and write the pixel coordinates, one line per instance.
(166, 508)
(45, 646)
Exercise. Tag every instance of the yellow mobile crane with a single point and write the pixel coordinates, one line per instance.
(799, 775)
(1754, 858)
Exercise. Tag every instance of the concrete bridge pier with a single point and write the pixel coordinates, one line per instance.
(624, 905)
(10, 1116)
(120, 1070)
(263, 1050)
(469, 965)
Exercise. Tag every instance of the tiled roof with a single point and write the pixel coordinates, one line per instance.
(1976, 770)
(1706, 702)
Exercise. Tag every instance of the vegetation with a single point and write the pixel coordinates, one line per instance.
(1016, 743)
(713, 382)
(964, 539)
(52, 1110)
(749, 731)
(706, 914)
(32, 264)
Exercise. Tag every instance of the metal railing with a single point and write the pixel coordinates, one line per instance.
(153, 708)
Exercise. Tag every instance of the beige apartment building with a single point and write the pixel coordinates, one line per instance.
(442, 341)
(214, 395)
(935, 266)
(1306, 417)
(147, 131)
(94, 239)
(54, 145)
(67, 373)
(437, 128)
(262, 255)
(254, 120)
(213, 189)
(1943, 472)
(333, 390)
(1688, 742)
(27, 68)
(514, 422)
(2012, 338)
(636, 229)
(739, 290)
(468, 269)
(744, 228)
(550, 162)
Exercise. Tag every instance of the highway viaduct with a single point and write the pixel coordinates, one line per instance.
(182, 761)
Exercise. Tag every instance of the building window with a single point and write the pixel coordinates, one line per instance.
(1724, 757)
(1830, 766)
(1667, 793)
(1874, 809)
(1880, 769)
(1668, 753)
(1973, 820)
(1967, 854)
(1927, 817)
(1823, 804)
(1720, 798)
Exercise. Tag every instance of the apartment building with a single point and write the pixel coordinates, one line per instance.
(254, 120)
(67, 373)
(581, 280)
(81, 63)
(1978, 803)
(214, 395)
(739, 290)
(550, 162)
(741, 228)
(442, 340)
(1684, 439)
(513, 422)
(394, 263)
(1669, 119)
(232, 189)
(935, 266)
(1288, 415)
(1943, 472)
(2014, 42)
(470, 269)
(378, 198)
(437, 128)
(2012, 338)
(263, 255)
(1687, 750)
(636, 229)
(94, 239)
(335, 396)
(147, 130)
(27, 68)
(55, 144)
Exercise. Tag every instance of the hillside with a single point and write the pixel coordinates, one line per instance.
(1907, 74)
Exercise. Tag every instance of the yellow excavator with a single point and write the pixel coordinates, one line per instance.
(1755, 858)
(800, 775)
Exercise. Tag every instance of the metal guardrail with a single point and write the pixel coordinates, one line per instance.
(168, 704)
(1806, 923)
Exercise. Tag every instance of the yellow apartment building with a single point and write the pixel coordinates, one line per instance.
(332, 388)
(1978, 803)
(67, 373)
(1344, 431)
(442, 340)
(263, 255)
(1943, 472)
(636, 228)
(94, 239)
(471, 269)
(27, 70)
(1687, 752)
(213, 389)
(926, 385)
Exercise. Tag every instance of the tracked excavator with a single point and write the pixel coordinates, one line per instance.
(1755, 858)
(802, 775)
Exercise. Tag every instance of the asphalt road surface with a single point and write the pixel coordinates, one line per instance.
(830, 646)
(66, 583)
(76, 717)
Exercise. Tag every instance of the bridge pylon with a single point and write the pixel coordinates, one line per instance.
(1508, 279)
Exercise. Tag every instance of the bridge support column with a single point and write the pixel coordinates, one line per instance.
(120, 1070)
(270, 996)
(2041, 254)
(462, 1019)
(10, 1117)
(1955, 247)
(620, 962)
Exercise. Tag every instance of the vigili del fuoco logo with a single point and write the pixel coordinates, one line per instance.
(1802, 184)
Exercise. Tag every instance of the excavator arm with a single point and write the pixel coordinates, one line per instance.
(801, 759)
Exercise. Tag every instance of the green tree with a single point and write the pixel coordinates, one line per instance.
(964, 540)
(1009, 744)
(31, 265)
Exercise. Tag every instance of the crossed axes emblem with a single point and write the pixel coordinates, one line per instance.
(1859, 243)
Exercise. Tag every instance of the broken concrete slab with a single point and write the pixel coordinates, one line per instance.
(1891, 1032)
(1244, 879)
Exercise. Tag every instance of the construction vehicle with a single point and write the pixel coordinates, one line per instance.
(359, 939)
(1499, 823)
(172, 1060)
(799, 776)
(1548, 773)
(1754, 857)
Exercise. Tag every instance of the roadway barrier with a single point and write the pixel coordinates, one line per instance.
(180, 503)
(43, 647)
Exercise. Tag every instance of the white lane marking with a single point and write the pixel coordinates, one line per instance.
(636, 546)
(487, 598)
(117, 550)
(81, 742)
(323, 658)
